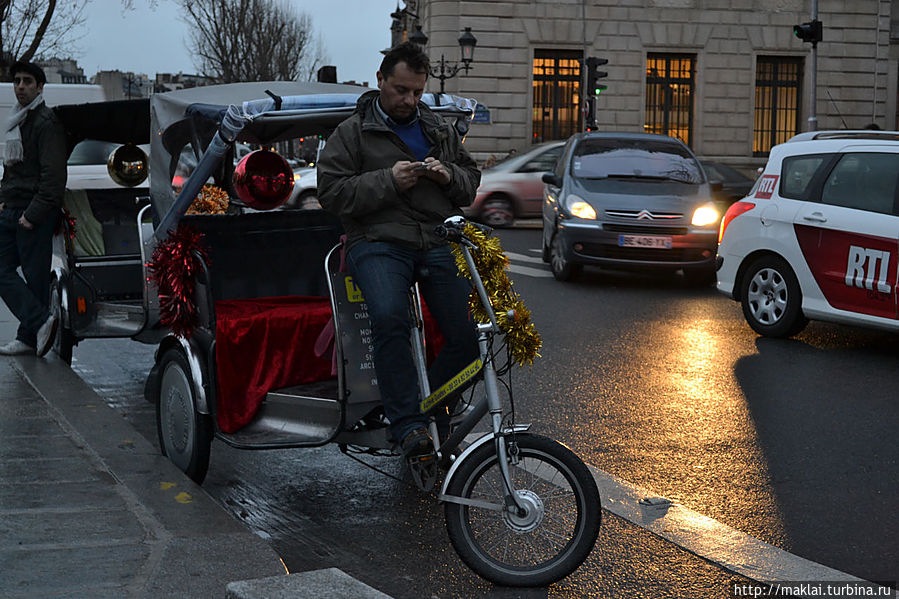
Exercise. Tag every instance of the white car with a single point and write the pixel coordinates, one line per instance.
(87, 165)
(305, 190)
(818, 236)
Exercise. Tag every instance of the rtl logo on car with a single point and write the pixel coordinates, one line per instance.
(857, 275)
(766, 187)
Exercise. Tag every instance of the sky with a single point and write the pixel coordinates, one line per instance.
(152, 40)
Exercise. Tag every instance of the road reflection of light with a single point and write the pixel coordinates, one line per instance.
(705, 430)
(697, 354)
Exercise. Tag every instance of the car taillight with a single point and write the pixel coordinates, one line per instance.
(735, 210)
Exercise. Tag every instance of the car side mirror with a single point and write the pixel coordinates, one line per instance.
(552, 179)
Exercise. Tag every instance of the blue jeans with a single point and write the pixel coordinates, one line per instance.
(384, 273)
(31, 249)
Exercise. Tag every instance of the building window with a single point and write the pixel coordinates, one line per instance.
(556, 88)
(669, 95)
(777, 96)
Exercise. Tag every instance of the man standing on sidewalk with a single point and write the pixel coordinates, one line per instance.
(31, 192)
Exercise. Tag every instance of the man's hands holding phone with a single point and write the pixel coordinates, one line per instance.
(408, 173)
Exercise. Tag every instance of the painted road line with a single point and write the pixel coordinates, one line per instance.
(524, 258)
(526, 270)
(531, 272)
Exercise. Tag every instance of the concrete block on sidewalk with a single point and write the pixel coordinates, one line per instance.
(330, 583)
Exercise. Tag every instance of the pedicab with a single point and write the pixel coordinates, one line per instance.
(264, 341)
(96, 287)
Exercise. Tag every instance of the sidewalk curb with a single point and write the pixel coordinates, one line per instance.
(190, 538)
(184, 544)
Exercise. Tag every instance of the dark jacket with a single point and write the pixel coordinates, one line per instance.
(355, 180)
(38, 182)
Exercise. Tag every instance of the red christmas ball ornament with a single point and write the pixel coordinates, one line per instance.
(263, 180)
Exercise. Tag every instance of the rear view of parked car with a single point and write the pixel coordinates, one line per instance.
(513, 188)
(635, 201)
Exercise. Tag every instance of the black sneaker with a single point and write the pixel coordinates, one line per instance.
(417, 443)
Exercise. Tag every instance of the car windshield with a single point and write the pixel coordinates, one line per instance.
(91, 151)
(634, 159)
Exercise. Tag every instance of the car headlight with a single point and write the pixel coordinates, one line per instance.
(579, 208)
(705, 215)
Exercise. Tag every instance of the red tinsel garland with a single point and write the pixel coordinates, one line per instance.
(69, 222)
(174, 269)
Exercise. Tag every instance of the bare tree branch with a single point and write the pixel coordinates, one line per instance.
(37, 28)
(39, 34)
(249, 40)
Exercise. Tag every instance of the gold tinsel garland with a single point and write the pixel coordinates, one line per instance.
(521, 335)
(210, 200)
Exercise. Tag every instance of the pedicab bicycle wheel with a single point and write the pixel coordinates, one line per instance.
(547, 542)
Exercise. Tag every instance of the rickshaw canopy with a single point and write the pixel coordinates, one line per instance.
(209, 119)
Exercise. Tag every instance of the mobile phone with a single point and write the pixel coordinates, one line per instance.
(420, 167)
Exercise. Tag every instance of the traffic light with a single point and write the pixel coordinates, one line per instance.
(593, 86)
(809, 32)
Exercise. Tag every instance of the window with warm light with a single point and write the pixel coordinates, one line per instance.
(777, 97)
(557, 94)
(670, 86)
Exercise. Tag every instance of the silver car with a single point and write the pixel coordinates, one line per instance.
(305, 190)
(635, 201)
(513, 188)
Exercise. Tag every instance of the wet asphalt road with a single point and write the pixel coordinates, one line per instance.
(654, 381)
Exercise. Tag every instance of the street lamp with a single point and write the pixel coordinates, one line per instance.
(444, 70)
(418, 37)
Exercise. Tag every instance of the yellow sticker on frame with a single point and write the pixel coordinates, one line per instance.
(353, 293)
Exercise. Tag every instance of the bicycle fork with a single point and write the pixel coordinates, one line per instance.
(494, 404)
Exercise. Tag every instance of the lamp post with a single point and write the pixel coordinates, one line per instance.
(444, 70)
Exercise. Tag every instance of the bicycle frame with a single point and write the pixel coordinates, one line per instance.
(490, 403)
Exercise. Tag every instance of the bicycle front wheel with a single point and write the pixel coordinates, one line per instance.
(553, 536)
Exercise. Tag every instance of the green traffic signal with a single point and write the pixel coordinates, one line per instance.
(591, 63)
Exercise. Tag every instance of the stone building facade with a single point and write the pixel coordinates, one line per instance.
(729, 77)
(62, 70)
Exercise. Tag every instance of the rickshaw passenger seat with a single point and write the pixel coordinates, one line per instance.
(105, 221)
(263, 268)
(268, 254)
(88, 240)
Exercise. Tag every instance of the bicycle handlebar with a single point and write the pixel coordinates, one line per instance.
(453, 229)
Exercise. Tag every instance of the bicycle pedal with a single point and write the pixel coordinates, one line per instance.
(424, 471)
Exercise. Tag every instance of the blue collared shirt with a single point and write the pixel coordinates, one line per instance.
(411, 132)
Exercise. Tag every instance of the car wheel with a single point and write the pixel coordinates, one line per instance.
(772, 299)
(65, 339)
(185, 435)
(563, 269)
(309, 201)
(498, 212)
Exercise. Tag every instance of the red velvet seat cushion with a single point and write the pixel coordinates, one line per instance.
(268, 343)
(264, 344)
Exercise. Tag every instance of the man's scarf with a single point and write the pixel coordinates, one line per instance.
(13, 136)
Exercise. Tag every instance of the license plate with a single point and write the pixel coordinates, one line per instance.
(644, 241)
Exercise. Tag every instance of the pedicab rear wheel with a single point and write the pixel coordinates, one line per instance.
(65, 339)
(553, 536)
(185, 435)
